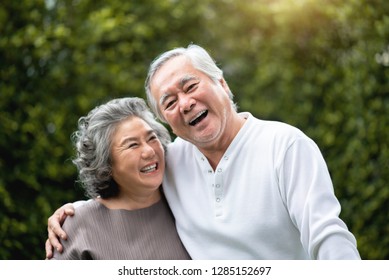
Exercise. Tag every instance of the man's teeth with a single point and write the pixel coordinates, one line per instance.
(198, 117)
(149, 168)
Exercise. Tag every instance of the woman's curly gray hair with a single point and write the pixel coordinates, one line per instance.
(93, 140)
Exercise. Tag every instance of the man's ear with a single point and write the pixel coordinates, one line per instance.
(224, 84)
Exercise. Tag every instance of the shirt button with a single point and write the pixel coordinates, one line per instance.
(217, 199)
(209, 171)
(219, 170)
(217, 185)
(226, 157)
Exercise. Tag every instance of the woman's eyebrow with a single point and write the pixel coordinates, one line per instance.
(124, 141)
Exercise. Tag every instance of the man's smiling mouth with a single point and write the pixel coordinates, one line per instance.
(198, 118)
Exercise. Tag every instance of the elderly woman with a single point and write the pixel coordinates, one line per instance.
(120, 159)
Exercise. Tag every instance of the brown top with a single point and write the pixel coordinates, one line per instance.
(96, 232)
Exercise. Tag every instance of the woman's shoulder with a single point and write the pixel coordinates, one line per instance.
(82, 215)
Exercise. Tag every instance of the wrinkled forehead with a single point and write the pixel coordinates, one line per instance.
(170, 70)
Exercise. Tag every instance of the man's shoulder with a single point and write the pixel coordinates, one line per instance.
(278, 128)
(273, 132)
(178, 145)
(179, 153)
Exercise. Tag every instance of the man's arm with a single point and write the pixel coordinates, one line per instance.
(312, 203)
(54, 227)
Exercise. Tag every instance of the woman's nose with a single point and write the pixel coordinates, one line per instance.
(148, 151)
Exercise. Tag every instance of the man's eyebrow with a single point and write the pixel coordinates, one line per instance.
(182, 82)
(186, 79)
(163, 98)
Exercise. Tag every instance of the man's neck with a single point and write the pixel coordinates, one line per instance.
(214, 153)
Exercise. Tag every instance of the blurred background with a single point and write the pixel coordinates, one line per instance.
(322, 66)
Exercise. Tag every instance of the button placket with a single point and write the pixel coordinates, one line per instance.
(210, 175)
(218, 190)
(215, 181)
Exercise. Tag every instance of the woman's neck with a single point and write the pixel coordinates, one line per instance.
(130, 201)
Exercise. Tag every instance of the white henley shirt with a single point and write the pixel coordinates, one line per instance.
(270, 197)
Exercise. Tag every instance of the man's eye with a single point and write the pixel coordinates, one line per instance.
(169, 104)
(191, 86)
(132, 145)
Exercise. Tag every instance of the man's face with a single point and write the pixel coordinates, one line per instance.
(196, 107)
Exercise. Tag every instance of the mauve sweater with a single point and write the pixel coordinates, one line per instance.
(96, 232)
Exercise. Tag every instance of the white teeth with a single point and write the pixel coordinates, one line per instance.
(198, 115)
(149, 168)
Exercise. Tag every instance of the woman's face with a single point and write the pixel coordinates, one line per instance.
(137, 155)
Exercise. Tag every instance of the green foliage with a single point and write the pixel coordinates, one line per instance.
(322, 66)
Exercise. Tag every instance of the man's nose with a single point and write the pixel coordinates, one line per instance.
(186, 103)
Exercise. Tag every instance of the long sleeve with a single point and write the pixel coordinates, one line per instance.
(314, 209)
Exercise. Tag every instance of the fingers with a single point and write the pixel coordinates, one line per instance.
(55, 222)
(68, 210)
(54, 226)
(49, 250)
(55, 231)
(53, 241)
